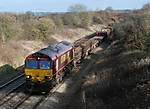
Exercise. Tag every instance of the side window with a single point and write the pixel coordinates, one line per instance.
(59, 62)
(71, 54)
(62, 58)
(67, 55)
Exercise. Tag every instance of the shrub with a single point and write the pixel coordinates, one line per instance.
(9, 27)
(71, 19)
(85, 19)
(135, 30)
(57, 19)
(40, 29)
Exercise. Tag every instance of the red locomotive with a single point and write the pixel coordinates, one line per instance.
(48, 66)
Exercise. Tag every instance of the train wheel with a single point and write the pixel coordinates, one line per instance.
(53, 82)
(57, 78)
(72, 65)
(61, 76)
(87, 53)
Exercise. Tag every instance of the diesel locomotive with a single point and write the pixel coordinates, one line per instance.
(48, 66)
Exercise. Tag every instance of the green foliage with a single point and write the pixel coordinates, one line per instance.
(42, 29)
(85, 19)
(45, 27)
(28, 26)
(9, 27)
(77, 8)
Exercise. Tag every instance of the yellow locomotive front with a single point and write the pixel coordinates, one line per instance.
(38, 71)
(47, 67)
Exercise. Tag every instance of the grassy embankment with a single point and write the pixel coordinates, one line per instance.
(121, 79)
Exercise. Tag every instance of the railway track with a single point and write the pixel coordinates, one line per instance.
(18, 99)
(21, 100)
(27, 101)
(11, 90)
(11, 86)
(33, 101)
(11, 81)
(11, 101)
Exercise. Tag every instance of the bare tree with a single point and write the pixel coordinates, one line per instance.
(77, 8)
(146, 6)
(109, 8)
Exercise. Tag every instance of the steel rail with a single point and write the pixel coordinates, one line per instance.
(10, 91)
(9, 82)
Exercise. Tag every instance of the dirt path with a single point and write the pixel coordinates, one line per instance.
(61, 98)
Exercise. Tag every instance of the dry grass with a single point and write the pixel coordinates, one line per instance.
(72, 34)
(119, 80)
(13, 55)
(14, 52)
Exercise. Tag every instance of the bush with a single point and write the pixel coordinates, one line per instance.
(71, 19)
(135, 30)
(82, 19)
(41, 29)
(85, 19)
(29, 26)
(9, 27)
(44, 28)
(57, 19)
(101, 17)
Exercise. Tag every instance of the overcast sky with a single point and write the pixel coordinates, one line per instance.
(62, 5)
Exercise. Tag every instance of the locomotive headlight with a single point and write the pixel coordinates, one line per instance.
(28, 76)
(47, 77)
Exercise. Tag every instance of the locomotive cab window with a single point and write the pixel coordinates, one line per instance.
(45, 64)
(32, 64)
(71, 54)
(38, 64)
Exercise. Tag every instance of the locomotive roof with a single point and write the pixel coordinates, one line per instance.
(57, 49)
